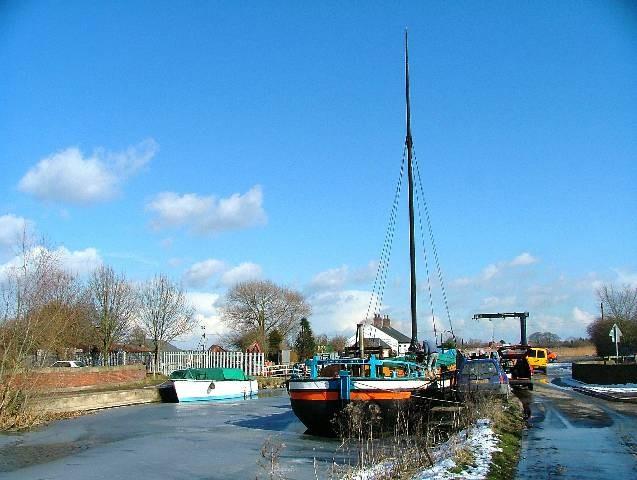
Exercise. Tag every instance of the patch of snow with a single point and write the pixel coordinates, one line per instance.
(480, 440)
(621, 388)
(614, 388)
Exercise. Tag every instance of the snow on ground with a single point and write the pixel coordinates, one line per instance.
(618, 388)
(563, 370)
(480, 440)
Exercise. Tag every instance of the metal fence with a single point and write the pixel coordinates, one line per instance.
(285, 370)
(250, 363)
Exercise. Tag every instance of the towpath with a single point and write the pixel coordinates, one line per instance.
(575, 436)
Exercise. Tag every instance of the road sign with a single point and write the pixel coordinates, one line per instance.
(614, 334)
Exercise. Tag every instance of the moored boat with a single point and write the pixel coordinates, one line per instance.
(386, 386)
(203, 384)
(391, 385)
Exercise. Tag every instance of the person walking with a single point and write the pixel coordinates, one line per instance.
(431, 350)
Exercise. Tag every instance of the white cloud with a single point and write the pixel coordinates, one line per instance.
(338, 311)
(241, 273)
(199, 273)
(79, 262)
(206, 312)
(70, 177)
(461, 282)
(175, 261)
(209, 214)
(498, 302)
(582, 317)
(11, 229)
(333, 278)
(494, 270)
(490, 271)
(523, 259)
(337, 278)
(626, 278)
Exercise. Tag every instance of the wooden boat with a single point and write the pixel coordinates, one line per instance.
(391, 385)
(204, 384)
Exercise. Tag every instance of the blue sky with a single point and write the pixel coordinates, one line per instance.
(218, 141)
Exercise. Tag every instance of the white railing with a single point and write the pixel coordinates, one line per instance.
(284, 370)
(250, 363)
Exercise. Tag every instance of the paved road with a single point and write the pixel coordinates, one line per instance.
(574, 436)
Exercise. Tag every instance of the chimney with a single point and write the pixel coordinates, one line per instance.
(378, 321)
(360, 337)
(386, 322)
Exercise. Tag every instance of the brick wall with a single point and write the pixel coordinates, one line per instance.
(78, 378)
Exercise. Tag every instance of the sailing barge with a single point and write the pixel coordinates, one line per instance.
(390, 384)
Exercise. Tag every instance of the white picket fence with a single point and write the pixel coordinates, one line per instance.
(250, 363)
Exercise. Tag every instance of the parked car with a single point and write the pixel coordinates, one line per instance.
(552, 356)
(482, 376)
(69, 364)
(515, 362)
(538, 358)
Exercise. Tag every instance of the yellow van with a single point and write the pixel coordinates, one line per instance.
(538, 358)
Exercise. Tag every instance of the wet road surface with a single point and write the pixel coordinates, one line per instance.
(212, 440)
(574, 436)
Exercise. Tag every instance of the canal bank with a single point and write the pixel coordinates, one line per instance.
(73, 400)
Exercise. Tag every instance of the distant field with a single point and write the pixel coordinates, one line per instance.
(587, 350)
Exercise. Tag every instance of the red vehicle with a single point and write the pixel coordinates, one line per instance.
(552, 356)
(514, 361)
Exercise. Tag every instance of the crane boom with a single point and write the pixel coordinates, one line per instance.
(521, 315)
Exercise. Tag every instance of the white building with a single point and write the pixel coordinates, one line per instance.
(382, 331)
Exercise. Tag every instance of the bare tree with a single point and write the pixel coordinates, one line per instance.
(164, 312)
(256, 308)
(35, 298)
(620, 307)
(114, 305)
(619, 304)
(338, 343)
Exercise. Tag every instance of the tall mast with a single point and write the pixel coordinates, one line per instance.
(412, 239)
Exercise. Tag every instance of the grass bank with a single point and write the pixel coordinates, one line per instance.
(508, 425)
(267, 383)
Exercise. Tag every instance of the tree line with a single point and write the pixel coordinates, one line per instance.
(274, 317)
(619, 305)
(46, 309)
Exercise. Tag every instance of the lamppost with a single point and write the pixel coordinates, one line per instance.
(203, 338)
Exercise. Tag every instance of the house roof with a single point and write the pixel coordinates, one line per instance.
(375, 342)
(392, 332)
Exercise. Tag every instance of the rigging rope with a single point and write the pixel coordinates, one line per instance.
(383, 263)
(433, 244)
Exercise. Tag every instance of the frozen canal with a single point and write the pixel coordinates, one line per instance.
(171, 441)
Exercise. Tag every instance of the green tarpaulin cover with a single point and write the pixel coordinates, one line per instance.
(446, 358)
(210, 374)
